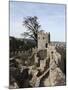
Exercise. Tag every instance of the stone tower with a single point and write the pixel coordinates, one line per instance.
(43, 40)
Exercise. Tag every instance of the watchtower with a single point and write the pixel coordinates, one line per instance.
(43, 40)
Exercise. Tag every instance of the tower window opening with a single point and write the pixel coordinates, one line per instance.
(43, 38)
(46, 45)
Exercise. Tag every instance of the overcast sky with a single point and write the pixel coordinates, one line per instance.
(51, 18)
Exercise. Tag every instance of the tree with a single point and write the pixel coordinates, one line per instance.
(33, 27)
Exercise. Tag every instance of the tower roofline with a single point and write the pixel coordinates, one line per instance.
(43, 32)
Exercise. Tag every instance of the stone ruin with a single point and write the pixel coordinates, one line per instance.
(47, 53)
(46, 68)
